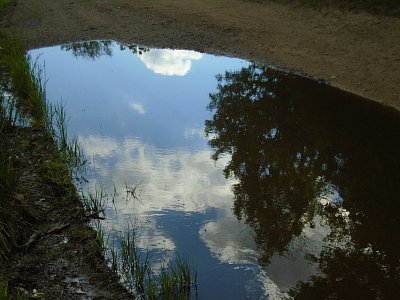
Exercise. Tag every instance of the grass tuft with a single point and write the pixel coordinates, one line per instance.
(95, 202)
(175, 280)
(4, 3)
(6, 295)
(23, 103)
(25, 78)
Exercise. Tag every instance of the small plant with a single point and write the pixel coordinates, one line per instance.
(23, 103)
(3, 290)
(176, 280)
(95, 202)
(70, 152)
(5, 2)
(101, 238)
(8, 113)
(5, 295)
(26, 79)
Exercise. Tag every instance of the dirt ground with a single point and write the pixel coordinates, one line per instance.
(355, 52)
(59, 255)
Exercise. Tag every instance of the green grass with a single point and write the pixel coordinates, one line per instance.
(6, 295)
(94, 201)
(177, 279)
(23, 103)
(5, 2)
(25, 78)
(9, 175)
(68, 148)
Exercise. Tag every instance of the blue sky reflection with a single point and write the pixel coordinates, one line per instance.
(140, 119)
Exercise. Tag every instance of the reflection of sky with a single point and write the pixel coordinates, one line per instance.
(120, 96)
(140, 119)
(169, 62)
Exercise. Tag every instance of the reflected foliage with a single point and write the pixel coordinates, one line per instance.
(96, 49)
(295, 145)
(89, 49)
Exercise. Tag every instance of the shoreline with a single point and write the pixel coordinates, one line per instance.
(48, 249)
(59, 255)
(356, 52)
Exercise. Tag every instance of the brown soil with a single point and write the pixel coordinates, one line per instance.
(356, 52)
(58, 255)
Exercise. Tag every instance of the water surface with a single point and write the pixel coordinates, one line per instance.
(275, 185)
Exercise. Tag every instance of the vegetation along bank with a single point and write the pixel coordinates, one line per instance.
(48, 247)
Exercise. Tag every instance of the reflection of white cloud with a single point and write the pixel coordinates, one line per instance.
(180, 180)
(194, 133)
(98, 146)
(271, 288)
(186, 181)
(138, 107)
(230, 241)
(169, 62)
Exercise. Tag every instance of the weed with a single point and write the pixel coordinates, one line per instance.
(3, 290)
(8, 113)
(68, 148)
(2, 4)
(26, 79)
(23, 102)
(114, 257)
(102, 241)
(95, 202)
(8, 179)
(5, 295)
(176, 280)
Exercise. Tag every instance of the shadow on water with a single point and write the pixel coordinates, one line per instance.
(304, 153)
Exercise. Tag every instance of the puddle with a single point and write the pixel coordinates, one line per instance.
(301, 192)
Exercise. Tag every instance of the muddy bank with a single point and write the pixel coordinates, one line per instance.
(355, 52)
(59, 255)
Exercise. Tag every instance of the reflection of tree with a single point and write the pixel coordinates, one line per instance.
(276, 163)
(134, 48)
(288, 138)
(95, 49)
(352, 274)
(89, 49)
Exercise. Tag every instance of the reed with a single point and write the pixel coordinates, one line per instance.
(95, 201)
(176, 280)
(25, 78)
(68, 148)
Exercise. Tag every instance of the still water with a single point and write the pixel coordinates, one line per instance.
(275, 185)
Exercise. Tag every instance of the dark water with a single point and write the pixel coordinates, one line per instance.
(283, 187)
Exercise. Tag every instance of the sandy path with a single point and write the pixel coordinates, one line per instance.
(356, 52)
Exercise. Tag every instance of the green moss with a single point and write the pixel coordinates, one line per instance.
(4, 3)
